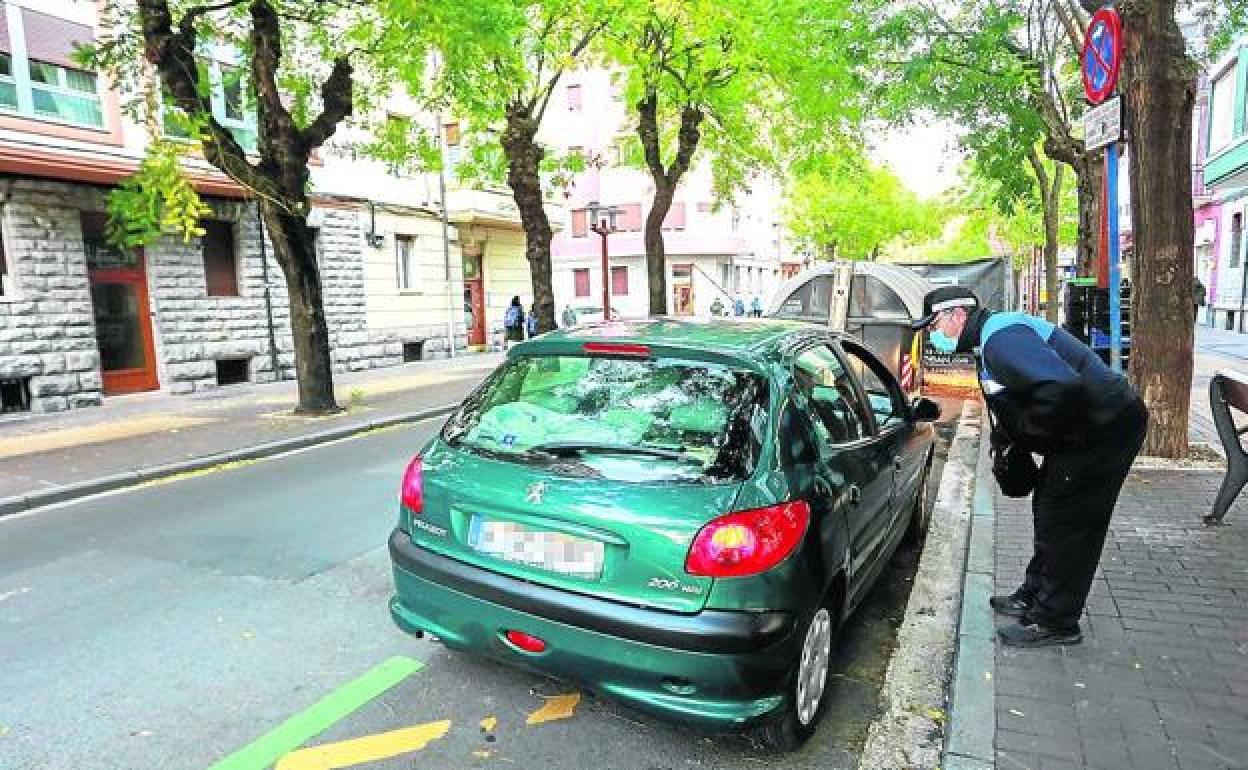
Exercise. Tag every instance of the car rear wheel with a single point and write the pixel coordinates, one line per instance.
(921, 516)
(806, 699)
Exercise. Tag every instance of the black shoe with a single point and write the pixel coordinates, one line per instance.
(1009, 605)
(1036, 635)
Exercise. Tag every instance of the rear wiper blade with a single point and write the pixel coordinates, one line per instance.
(578, 447)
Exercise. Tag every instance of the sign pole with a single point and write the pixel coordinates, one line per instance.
(1115, 278)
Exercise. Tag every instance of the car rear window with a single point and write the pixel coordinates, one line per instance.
(703, 421)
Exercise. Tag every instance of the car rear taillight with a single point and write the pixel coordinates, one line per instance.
(412, 493)
(748, 542)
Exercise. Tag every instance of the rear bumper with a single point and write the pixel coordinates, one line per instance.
(717, 669)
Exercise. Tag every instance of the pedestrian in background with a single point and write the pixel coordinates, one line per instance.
(513, 321)
(1048, 394)
(569, 317)
(756, 307)
(738, 307)
(531, 323)
(717, 307)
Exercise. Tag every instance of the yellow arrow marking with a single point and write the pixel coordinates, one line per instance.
(367, 749)
(556, 707)
(489, 723)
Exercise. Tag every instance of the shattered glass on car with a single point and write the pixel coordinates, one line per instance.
(632, 420)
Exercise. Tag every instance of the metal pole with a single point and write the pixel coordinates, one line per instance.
(606, 273)
(1115, 279)
(446, 243)
(1237, 248)
(268, 300)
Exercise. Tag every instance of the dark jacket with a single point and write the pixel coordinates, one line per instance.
(1048, 390)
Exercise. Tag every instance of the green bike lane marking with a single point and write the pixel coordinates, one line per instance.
(315, 719)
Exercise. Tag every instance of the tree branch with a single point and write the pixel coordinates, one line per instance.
(337, 98)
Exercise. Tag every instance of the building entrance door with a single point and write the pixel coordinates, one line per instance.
(474, 311)
(123, 321)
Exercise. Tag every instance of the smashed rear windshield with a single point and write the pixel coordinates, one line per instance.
(625, 419)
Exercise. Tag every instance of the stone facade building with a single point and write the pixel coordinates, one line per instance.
(81, 320)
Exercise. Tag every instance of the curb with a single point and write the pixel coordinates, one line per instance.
(972, 707)
(60, 494)
(907, 731)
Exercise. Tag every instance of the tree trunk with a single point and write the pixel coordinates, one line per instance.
(1089, 176)
(1159, 84)
(1050, 201)
(524, 159)
(294, 248)
(656, 250)
(666, 178)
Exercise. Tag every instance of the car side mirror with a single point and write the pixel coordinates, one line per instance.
(925, 410)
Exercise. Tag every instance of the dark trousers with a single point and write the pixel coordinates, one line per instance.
(1071, 507)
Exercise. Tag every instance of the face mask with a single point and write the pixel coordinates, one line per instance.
(942, 342)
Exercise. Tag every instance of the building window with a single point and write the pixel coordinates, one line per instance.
(704, 208)
(405, 262)
(38, 76)
(220, 260)
(7, 289)
(580, 277)
(1237, 237)
(574, 97)
(580, 223)
(619, 281)
(1222, 111)
(231, 100)
(675, 219)
(628, 219)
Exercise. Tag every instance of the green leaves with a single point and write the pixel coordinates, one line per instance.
(157, 200)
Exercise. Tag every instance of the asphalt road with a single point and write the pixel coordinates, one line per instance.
(173, 625)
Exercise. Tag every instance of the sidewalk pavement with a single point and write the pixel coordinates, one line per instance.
(1161, 679)
(45, 457)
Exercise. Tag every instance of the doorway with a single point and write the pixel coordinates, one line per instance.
(123, 321)
(474, 298)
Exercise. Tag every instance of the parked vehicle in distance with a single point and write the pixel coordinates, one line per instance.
(678, 514)
(587, 314)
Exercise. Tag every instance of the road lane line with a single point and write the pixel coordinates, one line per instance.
(315, 719)
(555, 707)
(370, 748)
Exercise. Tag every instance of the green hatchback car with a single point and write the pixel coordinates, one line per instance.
(677, 514)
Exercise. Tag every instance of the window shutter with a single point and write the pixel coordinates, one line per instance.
(580, 277)
(53, 40)
(5, 45)
(580, 225)
(220, 266)
(574, 97)
(452, 134)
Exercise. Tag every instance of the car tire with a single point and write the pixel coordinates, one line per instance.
(921, 513)
(806, 696)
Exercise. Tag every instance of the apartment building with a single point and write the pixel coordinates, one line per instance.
(81, 320)
(712, 250)
(1221, 187)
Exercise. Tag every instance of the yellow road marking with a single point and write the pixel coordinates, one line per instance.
(94, 434)
(367, 749)
(555, 707)
(489, 723)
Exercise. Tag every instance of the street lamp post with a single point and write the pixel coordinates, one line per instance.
(603, 223)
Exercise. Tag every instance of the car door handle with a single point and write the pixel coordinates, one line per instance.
(855, 495)
(822, 488)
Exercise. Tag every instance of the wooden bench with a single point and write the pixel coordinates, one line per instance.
(1229, 390)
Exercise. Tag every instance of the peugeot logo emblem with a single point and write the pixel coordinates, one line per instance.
(535, 493)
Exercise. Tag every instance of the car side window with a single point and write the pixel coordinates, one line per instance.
(839, 415)
(883, 394)
(796, 445)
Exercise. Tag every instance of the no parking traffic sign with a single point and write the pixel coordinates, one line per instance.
(1102, 55)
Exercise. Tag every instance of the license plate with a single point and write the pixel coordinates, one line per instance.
(551, 551)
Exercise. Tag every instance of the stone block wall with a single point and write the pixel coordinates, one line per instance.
(47, 328)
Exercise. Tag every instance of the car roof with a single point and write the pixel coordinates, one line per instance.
(753, 341)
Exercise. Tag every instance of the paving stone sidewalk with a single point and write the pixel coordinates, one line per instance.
(1161, 680)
